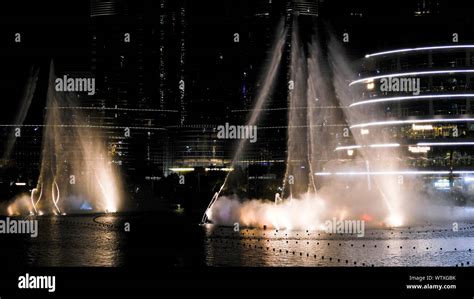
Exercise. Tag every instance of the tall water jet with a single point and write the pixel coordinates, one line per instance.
(74, 160)
(298, 205)
(366, 140)
(317, 117)
(296, 176)
(268, 81)
(323, 113)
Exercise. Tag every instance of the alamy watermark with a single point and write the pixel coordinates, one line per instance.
(335, 226)
(66, 84)
(228, 131)
(28, 281)
(13, 226)
(394, 84)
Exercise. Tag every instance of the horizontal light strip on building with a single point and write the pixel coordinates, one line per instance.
(403, 172)
(86, 126)
(420, 49)
(444, 143)
(385, 145)
(392, 99)
(350, 147)
(412, 121)
(112, 108)
(341, 148)
(184, 169)
(411, 74)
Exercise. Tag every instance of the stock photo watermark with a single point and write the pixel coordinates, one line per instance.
(228, 131)
(13, 226)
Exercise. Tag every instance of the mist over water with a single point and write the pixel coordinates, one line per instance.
(318, 99)
(304, 213)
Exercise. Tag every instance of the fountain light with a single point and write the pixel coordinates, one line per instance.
(395, 220)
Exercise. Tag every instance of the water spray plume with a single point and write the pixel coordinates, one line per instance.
(71, 149)
(263, 94)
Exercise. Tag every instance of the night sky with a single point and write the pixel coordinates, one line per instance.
(60, 30)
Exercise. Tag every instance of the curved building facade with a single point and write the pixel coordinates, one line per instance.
(414, 107)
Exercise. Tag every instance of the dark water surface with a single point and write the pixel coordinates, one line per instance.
(170, 240)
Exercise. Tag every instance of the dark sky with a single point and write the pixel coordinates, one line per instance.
(60, 30)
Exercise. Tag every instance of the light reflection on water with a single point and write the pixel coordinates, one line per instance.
(76, 241)
(427, 245)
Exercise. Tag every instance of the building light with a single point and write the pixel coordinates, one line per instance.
(408, 121)
(420, 49)
(349, 147)
(444, 143)
(418, 97)
(385, 145)
(226, 169)
(415, 127)
(408, 74)
(364, 131)
(402, 172)
(442, 184)
(352, 147)
(370, 85)
(365, 173)
(419, 149)
(185, 169)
